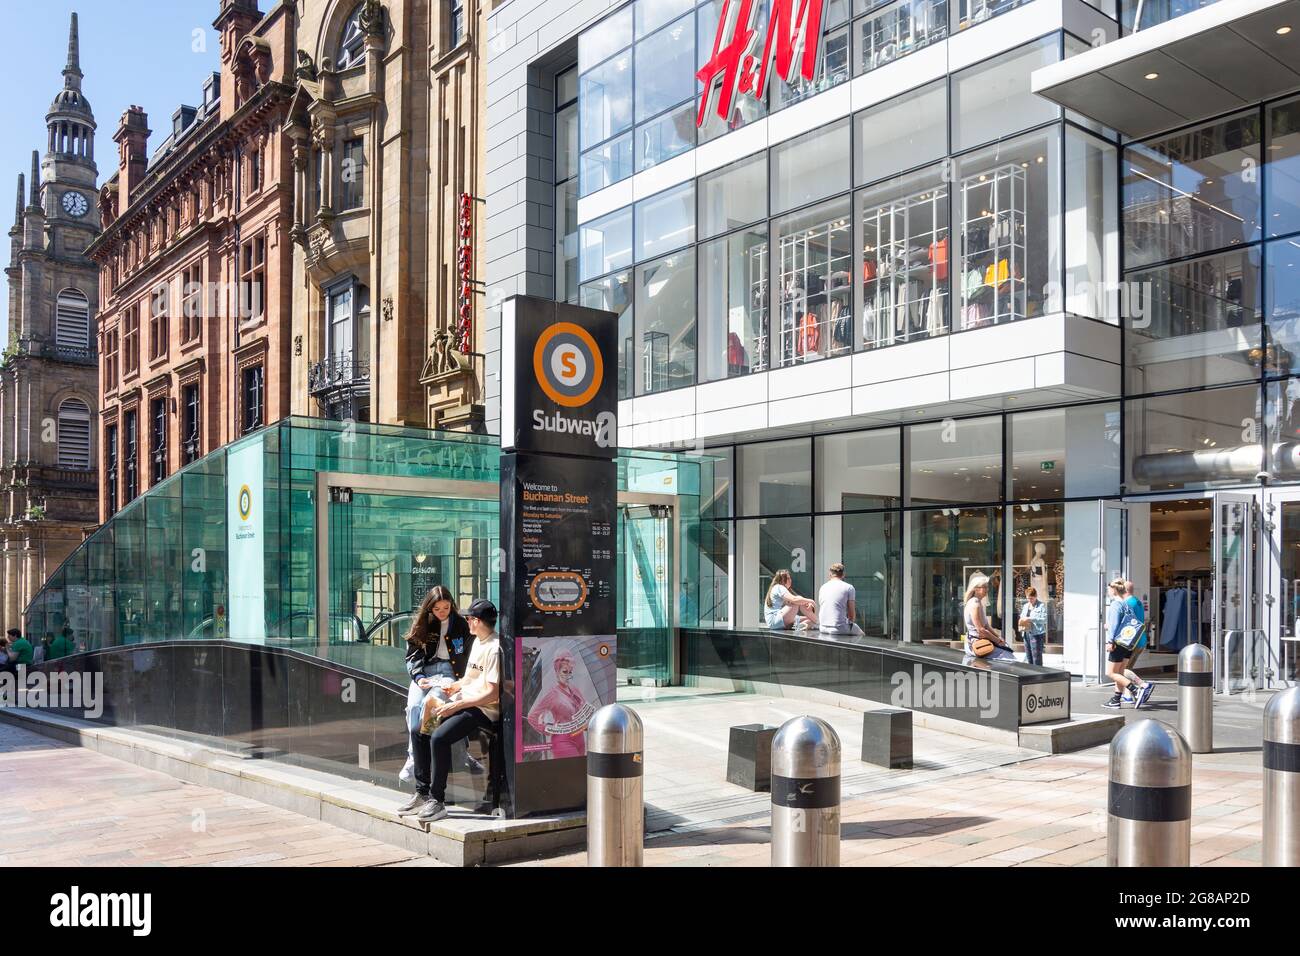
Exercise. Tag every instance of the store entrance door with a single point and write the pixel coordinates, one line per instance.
(646, 649)
(1279, 576)
(1110, 561)
(1237, 645)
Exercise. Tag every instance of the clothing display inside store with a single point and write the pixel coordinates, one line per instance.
(896, 30)
(993, 247)
(815, 293)
(977, 11)
(749, 324)
(905, 269)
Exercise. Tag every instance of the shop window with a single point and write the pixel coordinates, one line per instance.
(775, 477)
(1282, 306)
(993, 100)
(665, 323)
(906, 257)
(733, 196)
(765, 546)
(1007, 201)
(901, 133)
(733, 305)
(605, 165)
(665, 76)
(947, 549)
(1064, 453)
(895, 30)
(605, 244)
(1282, 172)
(859, 471)
(666, 136)
(1037, 536)
(810, 167)
(1211, 306)
(1194, 191)
(614, 294)
(954, 462)
(1195, 439)
(870, 548)
(972, 12)
(833, 70)
(665, 221)
(812, 289)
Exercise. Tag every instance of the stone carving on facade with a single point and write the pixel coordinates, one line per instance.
(306, 69)
(371, 19)
(444, 360)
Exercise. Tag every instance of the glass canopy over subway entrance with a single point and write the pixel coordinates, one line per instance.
(322, 537)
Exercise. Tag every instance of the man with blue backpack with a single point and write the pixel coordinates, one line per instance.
(1124, 634)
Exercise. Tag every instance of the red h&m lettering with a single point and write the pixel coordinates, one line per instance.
(789, 34)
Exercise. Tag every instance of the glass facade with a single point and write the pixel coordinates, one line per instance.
(405, 508)
(964, 203)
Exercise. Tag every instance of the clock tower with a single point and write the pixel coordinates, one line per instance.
(48, 372)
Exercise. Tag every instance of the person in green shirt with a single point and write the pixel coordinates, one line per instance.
(20, 649)
(61, 646)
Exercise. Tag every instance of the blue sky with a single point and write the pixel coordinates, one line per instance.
(152, 53)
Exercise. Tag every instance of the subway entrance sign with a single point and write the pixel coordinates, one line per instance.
(559, 486)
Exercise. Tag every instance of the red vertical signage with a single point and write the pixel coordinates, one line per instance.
(465, 274)
(793, 39)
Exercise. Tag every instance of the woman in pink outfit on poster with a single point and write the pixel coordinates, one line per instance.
(562, 709)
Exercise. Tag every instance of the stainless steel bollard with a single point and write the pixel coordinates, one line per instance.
(615, 788)
(805, 794)
(1282, 779)
(1149, 819)
(1196, 697)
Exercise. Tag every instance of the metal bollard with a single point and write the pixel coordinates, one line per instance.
(1282, 779)
(1196, 697)
(805, 794)
(615, 788)
(1149, 819)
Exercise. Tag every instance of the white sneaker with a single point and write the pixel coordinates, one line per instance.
(407, 773)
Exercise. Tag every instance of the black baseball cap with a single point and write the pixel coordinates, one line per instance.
(484, 610)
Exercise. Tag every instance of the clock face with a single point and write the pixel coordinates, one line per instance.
(74, 204)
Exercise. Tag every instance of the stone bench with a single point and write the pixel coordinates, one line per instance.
(887, 738)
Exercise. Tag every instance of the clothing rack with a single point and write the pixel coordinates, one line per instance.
(815, 293)
(993, 259)
(905, 268)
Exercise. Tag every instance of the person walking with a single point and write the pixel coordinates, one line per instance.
(473, 705)
(1033, 626)
(1118, 616)
(837, 604)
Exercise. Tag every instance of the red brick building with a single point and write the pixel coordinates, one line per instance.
(195, 266)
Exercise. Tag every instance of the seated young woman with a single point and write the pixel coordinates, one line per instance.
(783, 610)
(437, 648)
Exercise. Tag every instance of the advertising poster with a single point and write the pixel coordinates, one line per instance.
(563, 681)
(244, 543)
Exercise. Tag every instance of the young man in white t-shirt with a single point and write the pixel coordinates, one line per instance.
(474, 704)
(837, 604)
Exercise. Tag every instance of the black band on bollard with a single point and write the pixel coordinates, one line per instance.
(1150, 804)
(805, 793)
(1195, 679)
(614, 766)
(1280, 756)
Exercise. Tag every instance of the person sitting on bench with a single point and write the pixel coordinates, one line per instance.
(473, 704)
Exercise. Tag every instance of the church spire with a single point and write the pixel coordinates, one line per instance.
(72, 72)
(36, 179)
(18, 206)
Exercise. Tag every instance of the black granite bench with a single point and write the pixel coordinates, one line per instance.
(749, 756)
(887, 738)
(920, 677)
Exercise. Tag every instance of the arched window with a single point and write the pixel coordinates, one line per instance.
(352, 47)
(72, 321)
(74, 434)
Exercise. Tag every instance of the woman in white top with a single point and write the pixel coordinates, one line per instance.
(782, 606)
(977, 624)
